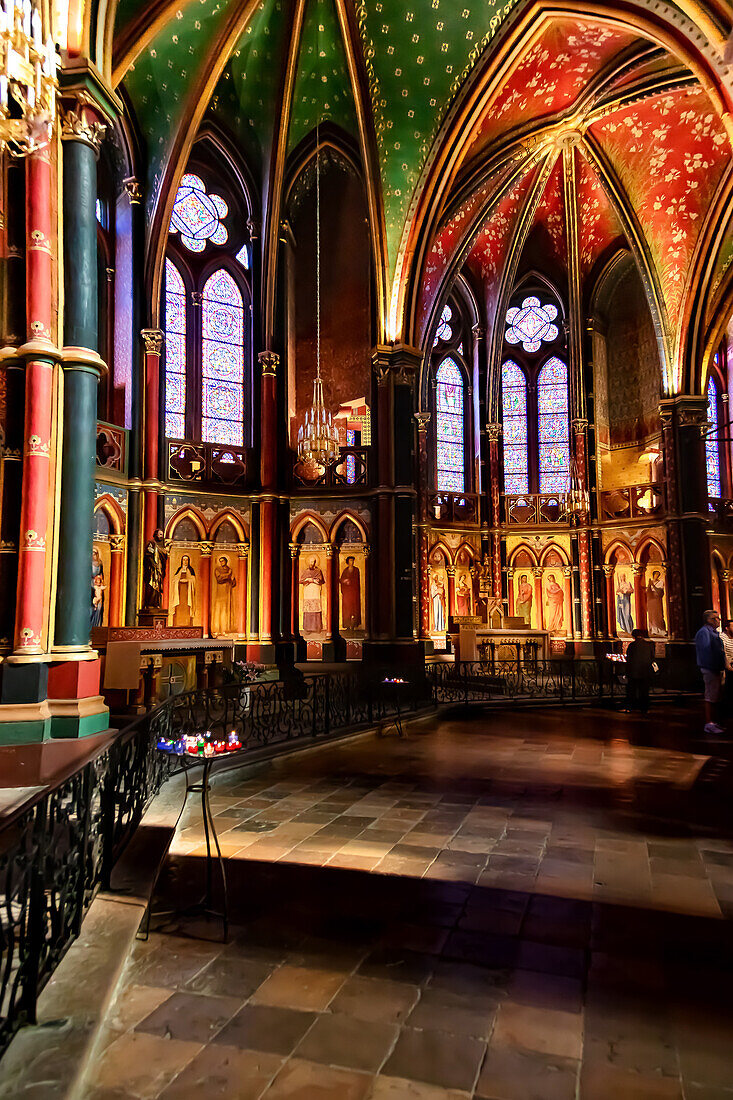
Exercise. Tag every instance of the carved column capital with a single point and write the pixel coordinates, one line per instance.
(479, 331)
(423, 419)
(153, 340)
(116, 543)
(206, 549)
(580, 425)
(79, 124)
(243, 549)
(269, 362)
(132, 189)
(608, 570)
(293, 547)
(494, 432)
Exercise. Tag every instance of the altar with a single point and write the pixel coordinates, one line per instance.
(500, 638)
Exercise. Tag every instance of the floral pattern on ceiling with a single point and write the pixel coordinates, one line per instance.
(322, 86)
(550, 77)
(669, 153)
(551, 213)
(598, 224)
(250, 82)
(171, 62)
(418, 54)
(448, 240)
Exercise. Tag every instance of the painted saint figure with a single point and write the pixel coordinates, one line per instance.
(525, 595)
(555, 601)
(97, 589)
(463, 597)
(155, 562)
(437, 595)
(313, 581)
(184, 593)
(655, 604)
(623, 604)
(350, 585)
(222, 613)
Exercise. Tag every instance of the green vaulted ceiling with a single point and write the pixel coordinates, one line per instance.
(322, 87)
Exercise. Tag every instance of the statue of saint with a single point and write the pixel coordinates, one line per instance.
(155, 562)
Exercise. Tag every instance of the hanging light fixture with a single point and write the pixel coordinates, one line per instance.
(318, 441)
(577, 500)
(27, 78)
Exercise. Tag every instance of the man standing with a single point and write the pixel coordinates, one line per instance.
(639, 671)
(711, 662)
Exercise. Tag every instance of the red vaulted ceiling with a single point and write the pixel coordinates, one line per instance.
(598, 225)
(550, 77)
(669, 153)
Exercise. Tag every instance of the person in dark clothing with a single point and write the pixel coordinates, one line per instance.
(711, 662)
(639, 671)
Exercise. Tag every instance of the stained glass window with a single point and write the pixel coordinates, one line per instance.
(445, 330)
(222, 326)
(712, 449)
(449, 429)
(243, 257)
(514, 417)
(350, 459)
(553, 427)
(175, 352)
(197, 215)
(531, 324)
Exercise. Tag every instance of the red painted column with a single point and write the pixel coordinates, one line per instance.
(608, 571)
(331, 612)
(39, 353)
(153, 341)
(510, 589)
(294, 590)
(117, 557)
(269, 361)
(568, 616)
(538, 597)
(494, 433)
(580, 428)
(451, 571)
(243, 550)
(423, 419)
(725, 594)
(206, 549)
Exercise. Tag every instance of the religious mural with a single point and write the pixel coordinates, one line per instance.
(554, 601)
(524, 596)
(223, 586)
(184, 602)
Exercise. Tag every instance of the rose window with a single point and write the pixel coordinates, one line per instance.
(531, 324)
(197, 215)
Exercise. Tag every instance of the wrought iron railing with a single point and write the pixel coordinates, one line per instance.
(111, 454)
(535, 508)
(632, 502)
(563, 680)
(453, 507)
(60, 847)
(202, 463)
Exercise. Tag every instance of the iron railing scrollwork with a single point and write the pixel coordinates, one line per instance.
(60, 847)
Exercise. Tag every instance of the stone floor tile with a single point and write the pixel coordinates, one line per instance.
(380, 1001)
(457, 1012)
(609, 1083)
(544, 1030)
(134, 1004)
(399, 1088)
(301, 1080)
(436, 1057)
(224, 1073)
(339, 1040)
(191, 1017)
(512, 1074)
(266, 1028)
(141, 1064)
(300, 987)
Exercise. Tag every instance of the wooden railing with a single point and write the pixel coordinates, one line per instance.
(631, 502)
(201, 463)
(535, 508)
(453, 508)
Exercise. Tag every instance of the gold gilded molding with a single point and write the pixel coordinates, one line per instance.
(153, 340)
(77, 126)
(269, 362)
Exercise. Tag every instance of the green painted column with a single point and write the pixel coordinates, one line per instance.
(81, 363)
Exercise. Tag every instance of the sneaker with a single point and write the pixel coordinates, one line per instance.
(711, 727)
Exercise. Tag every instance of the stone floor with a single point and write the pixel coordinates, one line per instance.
(519, 906)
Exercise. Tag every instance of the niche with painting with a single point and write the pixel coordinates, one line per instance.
(184, 575)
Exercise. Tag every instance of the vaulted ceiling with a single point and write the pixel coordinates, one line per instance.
(456, 110)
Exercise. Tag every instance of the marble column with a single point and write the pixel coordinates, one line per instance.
(116, 575)
(243, 554)
(81, 133)
(493, 431)
(205, 587)
(153, 342)
(269, 564)
(423, 419)
(608, 572)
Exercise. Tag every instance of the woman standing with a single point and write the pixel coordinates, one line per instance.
(184, 598)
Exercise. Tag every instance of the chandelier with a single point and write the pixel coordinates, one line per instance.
(318, 441)
(27, 78)
(577, 500)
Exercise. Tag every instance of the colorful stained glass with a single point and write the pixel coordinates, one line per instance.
(243, 257)
(531, 324)
(449, 430)
(514, 416)
(175, 352)
(712, 446)
(350, 459)
(445, 330)
(197, 215)
(222, 326)
(553, 427)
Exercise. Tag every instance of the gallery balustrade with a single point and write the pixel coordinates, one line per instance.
(350, 471)
(535, 508)
(631, 502)
(111, 453)
(459, 508)
(206, 463)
